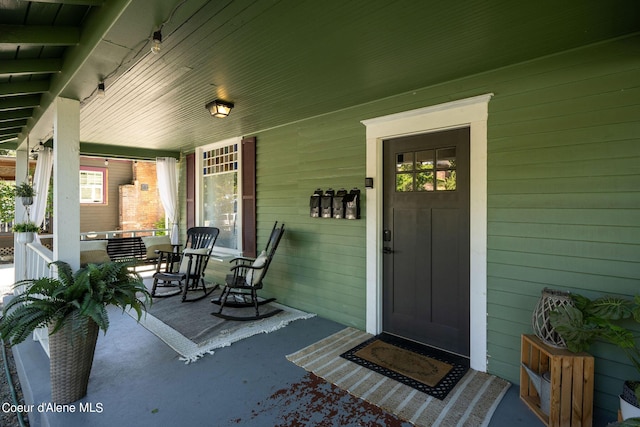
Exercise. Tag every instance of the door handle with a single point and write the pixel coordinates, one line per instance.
(387, 250)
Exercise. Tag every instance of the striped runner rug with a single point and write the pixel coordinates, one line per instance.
(471, 403)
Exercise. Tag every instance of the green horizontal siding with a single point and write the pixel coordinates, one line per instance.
(563, 196)
(320, 266)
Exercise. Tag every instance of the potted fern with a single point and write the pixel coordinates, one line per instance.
(74, 307)
(25, 192)
(604, 319)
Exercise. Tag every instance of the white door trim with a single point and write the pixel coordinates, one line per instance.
(472, 112)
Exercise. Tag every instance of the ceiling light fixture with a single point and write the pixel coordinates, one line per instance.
(219, 108)
(157, 42)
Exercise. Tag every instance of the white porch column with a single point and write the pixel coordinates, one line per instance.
(66, 181)
(19, 250)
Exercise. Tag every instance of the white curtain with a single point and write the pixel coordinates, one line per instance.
(41, 180)
(168, 187)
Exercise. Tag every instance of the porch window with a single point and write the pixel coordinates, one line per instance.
(93, 185)
(220, 192)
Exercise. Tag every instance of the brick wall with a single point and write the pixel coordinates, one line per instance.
(140, 205)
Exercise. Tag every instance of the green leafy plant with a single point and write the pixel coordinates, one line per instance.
(25, 190)
(72, 296)
(590, 320)
(25, 227)
(7, 202)
(630, 422)
(600, 319)
(160, 224)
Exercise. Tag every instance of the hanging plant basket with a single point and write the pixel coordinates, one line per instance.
(71, 350)
(550, 300)
(25, 231)
(25, 237)
(25, 192)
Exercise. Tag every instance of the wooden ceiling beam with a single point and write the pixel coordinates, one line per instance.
(7, 116)
(38, 35)
(30, 66)
(119, 151)
(13, 124)
(8, 133)
(99, 21)
(13, 140)
(19, 102)
(24, 88)
(74, 2)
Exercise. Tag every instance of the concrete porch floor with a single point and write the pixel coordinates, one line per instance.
(137, 380)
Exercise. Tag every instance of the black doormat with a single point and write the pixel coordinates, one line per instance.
(446, 368)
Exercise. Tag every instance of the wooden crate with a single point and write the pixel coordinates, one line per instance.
(571, 383)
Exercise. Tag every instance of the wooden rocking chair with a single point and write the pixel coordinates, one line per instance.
(185, 271)
(244, 280)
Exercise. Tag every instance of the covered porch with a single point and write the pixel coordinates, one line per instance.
(138, 380)
(549, 93)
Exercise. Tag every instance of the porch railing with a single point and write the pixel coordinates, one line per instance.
(32, 261)
(122, 233)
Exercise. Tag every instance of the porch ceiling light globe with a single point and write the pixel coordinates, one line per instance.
(157, 42)
(219, 108)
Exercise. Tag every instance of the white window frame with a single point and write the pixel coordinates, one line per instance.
(103, 172)
(199, 191)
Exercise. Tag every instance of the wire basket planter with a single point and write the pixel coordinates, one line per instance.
(550, 300)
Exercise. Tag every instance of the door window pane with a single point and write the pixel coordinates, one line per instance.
(446, 158)
(446, 180)
(446, 165)
(404, 162)
(424, 160)
(404, 182)
(424, 181)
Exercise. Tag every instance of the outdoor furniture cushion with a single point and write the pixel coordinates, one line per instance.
(197, 250)
(253, 276)
(93, 252)
(184, 264)
(156, 243)
(246, 278)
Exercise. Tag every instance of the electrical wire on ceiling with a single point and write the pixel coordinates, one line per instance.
(126, 61)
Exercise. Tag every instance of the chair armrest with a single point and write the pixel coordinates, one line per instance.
(241, 259)
(247, 267)
(159, 252)
(192, 255)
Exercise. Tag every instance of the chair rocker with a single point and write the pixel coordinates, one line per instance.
(184, 272)
(245, 279)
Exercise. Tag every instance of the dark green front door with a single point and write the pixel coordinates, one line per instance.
(426, 239)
